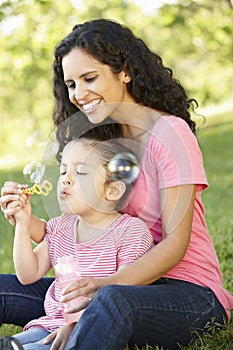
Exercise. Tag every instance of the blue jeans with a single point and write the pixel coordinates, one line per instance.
(18, 303)
(33, 339)
(166, 313)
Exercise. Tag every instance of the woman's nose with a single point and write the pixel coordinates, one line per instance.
(80, 92)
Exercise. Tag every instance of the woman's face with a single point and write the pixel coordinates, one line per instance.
(92, 86)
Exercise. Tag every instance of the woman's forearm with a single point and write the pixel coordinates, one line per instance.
(177, 225)
(152, 265)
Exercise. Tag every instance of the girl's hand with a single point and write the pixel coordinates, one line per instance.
(23, 216)
(11, 192)
(60, 337)
(88, 287)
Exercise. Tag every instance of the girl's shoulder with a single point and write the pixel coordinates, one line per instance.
(62, 220)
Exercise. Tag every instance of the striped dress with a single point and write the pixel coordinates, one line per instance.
(125, 240)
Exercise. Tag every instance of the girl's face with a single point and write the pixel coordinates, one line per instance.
(92, 86)
(81, 185)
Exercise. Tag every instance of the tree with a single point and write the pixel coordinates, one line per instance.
(194, 38)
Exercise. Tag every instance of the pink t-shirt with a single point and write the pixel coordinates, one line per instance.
(172, 157)
(124, 241)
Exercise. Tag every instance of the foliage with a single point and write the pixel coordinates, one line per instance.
(194, 37)
(202, 50)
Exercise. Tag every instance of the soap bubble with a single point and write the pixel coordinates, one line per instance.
(124, 166)
(35, 140)
(34, 171)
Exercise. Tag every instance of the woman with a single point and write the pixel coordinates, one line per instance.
(167, 296)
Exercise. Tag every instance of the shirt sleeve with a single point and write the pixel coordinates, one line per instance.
(50, 227)
(177, 154)
(135, 241)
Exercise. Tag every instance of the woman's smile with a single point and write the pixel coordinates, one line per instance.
(89, 107)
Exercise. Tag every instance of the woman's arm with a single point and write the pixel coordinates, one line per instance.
(12, 192)
(177, 204)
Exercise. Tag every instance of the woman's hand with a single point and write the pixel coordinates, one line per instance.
(11, 192)
(88, 287)
(60, 337)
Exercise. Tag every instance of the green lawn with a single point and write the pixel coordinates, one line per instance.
(216, 142)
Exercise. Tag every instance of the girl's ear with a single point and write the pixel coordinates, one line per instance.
(115, 190)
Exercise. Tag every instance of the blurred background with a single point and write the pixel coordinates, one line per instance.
(194, 38)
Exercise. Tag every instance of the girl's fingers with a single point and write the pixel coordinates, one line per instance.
(11, 187)
(6, 199)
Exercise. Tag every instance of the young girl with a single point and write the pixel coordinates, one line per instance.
(90, 230)
(168, 295)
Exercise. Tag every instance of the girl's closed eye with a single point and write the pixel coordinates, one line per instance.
(81, 170)
(81, 173)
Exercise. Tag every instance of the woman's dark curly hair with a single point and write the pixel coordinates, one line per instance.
(152, 84)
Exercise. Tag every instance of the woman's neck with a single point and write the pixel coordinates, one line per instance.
(135, 119)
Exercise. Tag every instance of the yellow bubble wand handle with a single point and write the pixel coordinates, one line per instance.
(44, 189)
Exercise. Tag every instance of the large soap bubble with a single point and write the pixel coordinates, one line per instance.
(124, 166)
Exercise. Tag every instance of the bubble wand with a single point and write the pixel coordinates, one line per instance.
(35, 172)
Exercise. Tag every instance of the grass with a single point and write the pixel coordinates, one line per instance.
(216, 142)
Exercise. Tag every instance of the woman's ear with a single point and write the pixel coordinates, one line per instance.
(124, 76)
(115, 190)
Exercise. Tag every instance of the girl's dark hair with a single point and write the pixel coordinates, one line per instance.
(78, 126)
(152, 84)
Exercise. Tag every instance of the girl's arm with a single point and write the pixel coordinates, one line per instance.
(177, 204)
(37, 229)
(30, 265)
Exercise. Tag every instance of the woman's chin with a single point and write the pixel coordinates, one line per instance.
(96, 118)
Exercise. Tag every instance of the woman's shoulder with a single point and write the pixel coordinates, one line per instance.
(171, 121)
(171, 130)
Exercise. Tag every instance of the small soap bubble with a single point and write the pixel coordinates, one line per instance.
(35, 140)
(34, 172)
(124, 166)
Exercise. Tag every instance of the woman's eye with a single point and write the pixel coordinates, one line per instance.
(70, 85)
(90, 79)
